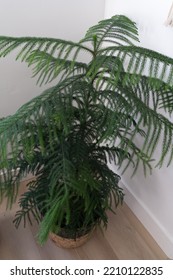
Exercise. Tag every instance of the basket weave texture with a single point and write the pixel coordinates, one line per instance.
(68, 242)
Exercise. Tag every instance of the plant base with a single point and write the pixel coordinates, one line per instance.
(69, 243)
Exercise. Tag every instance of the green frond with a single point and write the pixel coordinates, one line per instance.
(25, 46)
(47, 67)
(117, 30)
(142, 61)
(29, 204)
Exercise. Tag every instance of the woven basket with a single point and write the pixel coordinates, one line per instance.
(70, 243)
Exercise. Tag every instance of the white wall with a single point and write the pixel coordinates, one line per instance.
(67, 19)
(150, 198)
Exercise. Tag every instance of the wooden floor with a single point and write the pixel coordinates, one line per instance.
(125, 238)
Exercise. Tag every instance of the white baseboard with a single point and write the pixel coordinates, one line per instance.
(157, 231)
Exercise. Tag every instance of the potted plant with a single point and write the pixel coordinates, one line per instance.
(91, 116)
